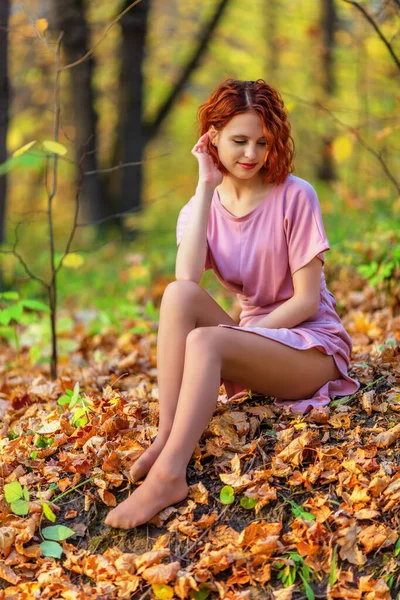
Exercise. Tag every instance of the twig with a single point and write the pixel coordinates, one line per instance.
(378, 31)
(90, 52)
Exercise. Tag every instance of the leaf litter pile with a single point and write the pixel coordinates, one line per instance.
(280, 506)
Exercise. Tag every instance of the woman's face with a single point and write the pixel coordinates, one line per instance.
(241, 141)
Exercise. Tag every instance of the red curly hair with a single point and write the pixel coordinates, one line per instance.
(233, 97)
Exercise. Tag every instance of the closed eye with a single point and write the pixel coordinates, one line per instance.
(261, 143)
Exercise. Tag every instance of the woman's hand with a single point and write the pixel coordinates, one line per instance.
(208, 172)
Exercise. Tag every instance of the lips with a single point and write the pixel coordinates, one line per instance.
(248, 166)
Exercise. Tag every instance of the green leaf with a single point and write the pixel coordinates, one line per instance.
(227, 495)
(44, 442)
(13, 491)
(202, 593)
(20, 507)
(10, 295)
(16, 311)
(63, 400)
(247, 502)
(332, 574)
(48, 513)
(309, 593)
(397, 547)
(51, 549)
(33, 454)
(34, 354)
(25, 493)
(138, 330)
(298, 511)
(53, 486)
(57, 532)
(5, 316)
(11, 435)
(35, 305)
(75, 396)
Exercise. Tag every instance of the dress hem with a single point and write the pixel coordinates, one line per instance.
(320, 398)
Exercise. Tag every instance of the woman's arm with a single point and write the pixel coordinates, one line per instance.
(289, 314)
(303, 304)
(192, 250)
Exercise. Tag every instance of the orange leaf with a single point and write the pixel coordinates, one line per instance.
(107, 497)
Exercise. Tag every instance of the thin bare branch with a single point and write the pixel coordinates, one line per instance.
(23, 263)
(353, 130)
(122, 214)
(33, 23)
(378, 31)
(90, 52)
(122, 165)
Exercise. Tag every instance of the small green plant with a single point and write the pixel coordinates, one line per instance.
(12, 314)
(384, 263)
(287, 573)
(227, 496)
(18, 497)
(73, 399)
(51, 536)
(297, 510)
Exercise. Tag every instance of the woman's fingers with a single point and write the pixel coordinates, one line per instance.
(201, 142)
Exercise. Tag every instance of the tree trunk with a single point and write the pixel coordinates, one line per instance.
(134, 134)
(131, 134)
(4, 107)
(4, 101)
(69, 17)
(326, 168)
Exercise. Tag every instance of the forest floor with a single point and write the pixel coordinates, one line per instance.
(280, 506)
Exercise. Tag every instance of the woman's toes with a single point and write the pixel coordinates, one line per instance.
(155, 494)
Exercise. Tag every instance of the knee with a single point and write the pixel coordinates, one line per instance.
(202, 340)
(181, 288)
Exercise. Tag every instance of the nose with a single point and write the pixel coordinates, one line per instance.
(250, 153)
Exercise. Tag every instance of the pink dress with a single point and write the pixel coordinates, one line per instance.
(256, 255)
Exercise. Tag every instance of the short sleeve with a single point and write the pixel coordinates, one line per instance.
(304, 229)
(180, 228)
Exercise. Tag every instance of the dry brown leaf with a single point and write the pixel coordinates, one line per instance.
(7, 537)
(107, 497)
(386, 438)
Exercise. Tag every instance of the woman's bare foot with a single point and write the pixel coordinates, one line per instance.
(144, 463)
(159, 490)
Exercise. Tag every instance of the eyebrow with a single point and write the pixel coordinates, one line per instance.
(245, 136)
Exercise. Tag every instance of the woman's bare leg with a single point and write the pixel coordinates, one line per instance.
(255, 361)
(185, 305)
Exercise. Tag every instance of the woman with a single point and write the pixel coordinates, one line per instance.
(260, 229)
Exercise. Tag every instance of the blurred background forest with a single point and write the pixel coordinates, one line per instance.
(127, 115)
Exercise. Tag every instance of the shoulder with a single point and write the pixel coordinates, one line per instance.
(298, 187)
(299, 195)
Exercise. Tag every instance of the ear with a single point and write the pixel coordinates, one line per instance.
(213, 135)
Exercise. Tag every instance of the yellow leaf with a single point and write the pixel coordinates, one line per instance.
(342, 148)
(54, 147)
(73, 260)
(162, 591)
(24, 149)
(41, 25)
